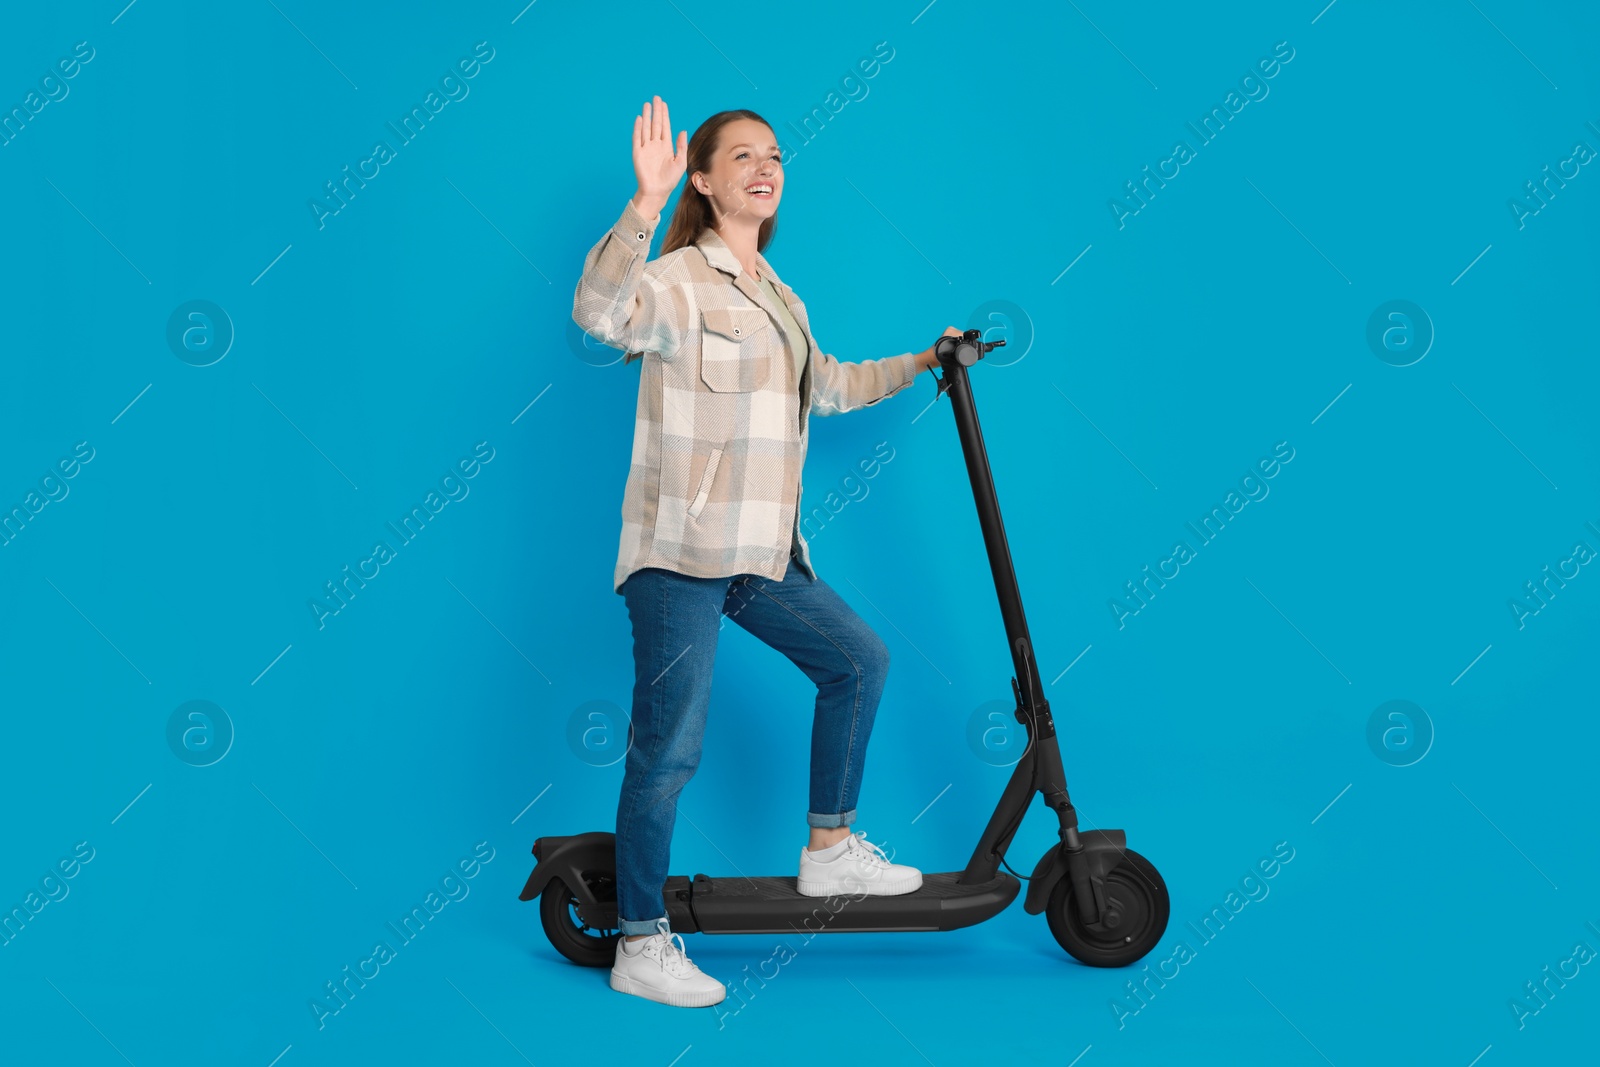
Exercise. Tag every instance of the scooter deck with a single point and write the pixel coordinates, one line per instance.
(735, 905)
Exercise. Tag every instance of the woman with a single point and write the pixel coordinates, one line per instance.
(729, 374)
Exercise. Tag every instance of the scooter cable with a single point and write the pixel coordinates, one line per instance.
(1007, 866)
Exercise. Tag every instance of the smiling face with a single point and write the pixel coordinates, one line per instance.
(746, 176)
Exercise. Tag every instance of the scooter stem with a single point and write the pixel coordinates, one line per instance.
(1040, 768)
(955, 355)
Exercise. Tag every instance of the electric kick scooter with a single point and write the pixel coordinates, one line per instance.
(1105, 904)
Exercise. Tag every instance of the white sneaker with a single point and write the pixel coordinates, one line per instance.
(657, 968)
(859, 867)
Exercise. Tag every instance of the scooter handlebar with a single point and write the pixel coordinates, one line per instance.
(964, 350)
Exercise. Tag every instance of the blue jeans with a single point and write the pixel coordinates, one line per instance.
(675, 622)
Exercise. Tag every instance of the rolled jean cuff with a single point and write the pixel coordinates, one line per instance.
(631, 928)
(825, 822)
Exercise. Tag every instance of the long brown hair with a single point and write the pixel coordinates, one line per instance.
(692, 215)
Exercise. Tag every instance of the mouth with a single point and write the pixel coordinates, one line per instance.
(759, 191)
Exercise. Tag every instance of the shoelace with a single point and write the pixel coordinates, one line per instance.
(674, 956)
(868, 852)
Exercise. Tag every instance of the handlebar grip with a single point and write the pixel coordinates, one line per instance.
(964, 350)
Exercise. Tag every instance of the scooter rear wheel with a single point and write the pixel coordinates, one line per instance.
(572, 937)
(1137, 909)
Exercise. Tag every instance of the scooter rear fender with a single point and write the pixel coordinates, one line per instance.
(569, 858)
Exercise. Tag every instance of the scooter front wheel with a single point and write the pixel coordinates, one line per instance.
(1137, 908)
(572, 937)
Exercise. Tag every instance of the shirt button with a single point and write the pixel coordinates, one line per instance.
(640, 236)
(736, 331)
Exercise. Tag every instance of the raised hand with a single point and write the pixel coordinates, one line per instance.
(655, 164)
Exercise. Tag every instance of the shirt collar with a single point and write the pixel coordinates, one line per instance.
(719, 255)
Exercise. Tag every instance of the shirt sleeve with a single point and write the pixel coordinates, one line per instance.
(619, 303)
(837, 387)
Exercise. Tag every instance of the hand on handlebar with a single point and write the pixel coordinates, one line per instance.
(965, 350)
(926, 359)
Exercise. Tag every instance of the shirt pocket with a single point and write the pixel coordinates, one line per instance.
(707, 477)
(736, 349)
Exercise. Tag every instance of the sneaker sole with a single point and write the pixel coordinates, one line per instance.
(623, 984)
(872, 889)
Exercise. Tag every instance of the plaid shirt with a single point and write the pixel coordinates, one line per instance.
(721, 430)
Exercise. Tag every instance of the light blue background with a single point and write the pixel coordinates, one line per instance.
(427, 315)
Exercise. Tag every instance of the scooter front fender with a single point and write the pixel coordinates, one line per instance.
(569, 858)
(1102, 849)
